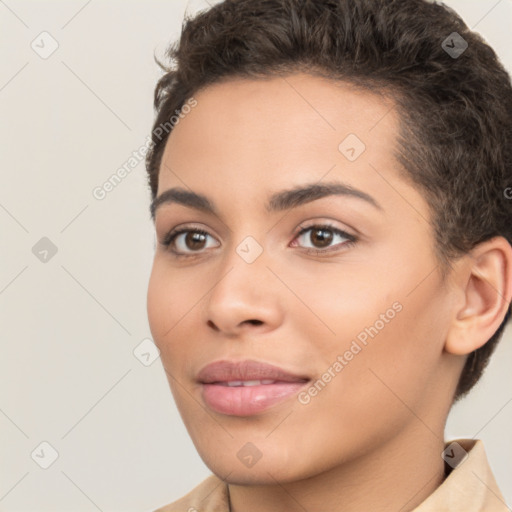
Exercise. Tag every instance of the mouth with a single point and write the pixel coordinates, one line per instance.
(249, 383)
(245, 388)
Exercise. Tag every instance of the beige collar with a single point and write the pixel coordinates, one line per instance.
(470, 487)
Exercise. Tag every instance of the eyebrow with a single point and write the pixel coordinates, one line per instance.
(279, 201)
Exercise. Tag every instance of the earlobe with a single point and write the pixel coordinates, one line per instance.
(487, 291)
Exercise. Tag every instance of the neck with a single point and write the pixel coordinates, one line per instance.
(399, 475)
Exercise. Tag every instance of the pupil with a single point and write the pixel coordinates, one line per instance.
(192, 239)
(322, 236)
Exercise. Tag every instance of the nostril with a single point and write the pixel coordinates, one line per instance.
(212, 325)
(255, 322)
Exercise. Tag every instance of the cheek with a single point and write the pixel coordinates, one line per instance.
(173, 299)
(399, 363)
(170, 296)
(154, 302)
(338, 302)
(385, 321)
(166, 304)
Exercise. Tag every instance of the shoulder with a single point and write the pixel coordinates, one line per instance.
(211, 495)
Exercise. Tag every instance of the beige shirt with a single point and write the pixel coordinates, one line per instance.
(470, 487)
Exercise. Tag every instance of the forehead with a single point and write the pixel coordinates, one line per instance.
(292, 118)
(269, 133)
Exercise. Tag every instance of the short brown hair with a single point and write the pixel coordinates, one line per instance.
(455, 111)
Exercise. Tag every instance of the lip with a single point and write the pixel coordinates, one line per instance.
(246, 400)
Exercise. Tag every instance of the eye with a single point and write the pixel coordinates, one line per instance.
(187, 241)
(321, 237)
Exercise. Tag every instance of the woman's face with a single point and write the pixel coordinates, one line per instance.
(352, 310)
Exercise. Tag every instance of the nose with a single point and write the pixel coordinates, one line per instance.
(245, 298)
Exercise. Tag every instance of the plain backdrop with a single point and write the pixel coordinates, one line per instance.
(74, 269)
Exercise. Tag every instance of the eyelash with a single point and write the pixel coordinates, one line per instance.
(351, 239)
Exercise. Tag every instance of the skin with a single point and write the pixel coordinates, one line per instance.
(372, 438)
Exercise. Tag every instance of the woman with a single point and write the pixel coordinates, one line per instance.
(333, 271)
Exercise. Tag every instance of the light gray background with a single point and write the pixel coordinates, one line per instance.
(68, 374)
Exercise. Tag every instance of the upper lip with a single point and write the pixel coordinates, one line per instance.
(225, 371)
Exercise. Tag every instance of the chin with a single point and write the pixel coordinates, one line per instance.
(266, 471)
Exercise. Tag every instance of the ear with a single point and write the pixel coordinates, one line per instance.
(485, 288)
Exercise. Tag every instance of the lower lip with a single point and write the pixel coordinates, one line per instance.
(247, 400)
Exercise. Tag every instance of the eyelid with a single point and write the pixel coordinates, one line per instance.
(322, 224)
(178, 230)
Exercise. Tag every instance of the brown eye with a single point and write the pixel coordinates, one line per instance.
(185, 242)
(321, 237)
(194, 240)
